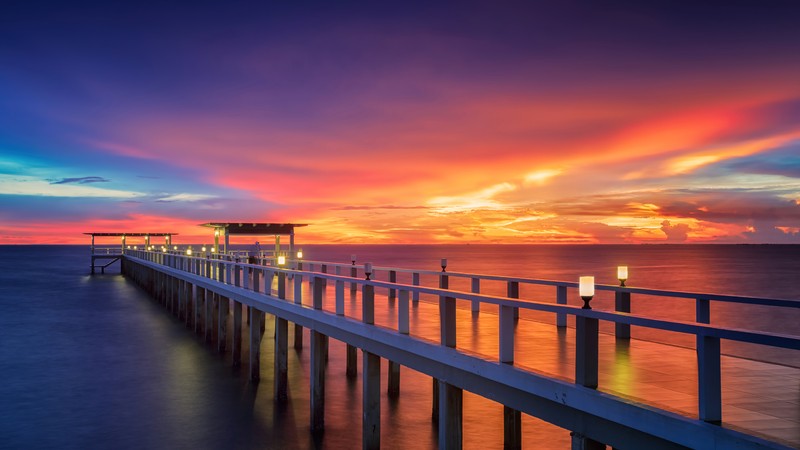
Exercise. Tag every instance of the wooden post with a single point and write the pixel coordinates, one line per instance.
(222, 325)
(581, 442)
(236, 341)
(317, 381)
(392, 279)
(561, 299)
(368, 304)
(281, 359)
(298, 299)
(450, 416)
(622, 303)
(199, 308)
(371, 397)
(318, 356)
(415, 282)
(476, 289)
(402, 312)
(354, 274)
(513, 292)
(256, 317)
(352, 361)
(393, 383)
(339, 297)
(586, 351)
(209, 316)
(512, 419)
(709, 373)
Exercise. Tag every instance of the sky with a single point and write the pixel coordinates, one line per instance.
(401, 122)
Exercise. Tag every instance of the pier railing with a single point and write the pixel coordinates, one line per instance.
(233, 270)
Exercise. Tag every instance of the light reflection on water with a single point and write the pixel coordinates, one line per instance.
(91, 362)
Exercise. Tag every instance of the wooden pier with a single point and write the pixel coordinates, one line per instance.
(668, 397)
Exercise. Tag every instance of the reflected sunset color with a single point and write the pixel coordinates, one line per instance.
(520, 122)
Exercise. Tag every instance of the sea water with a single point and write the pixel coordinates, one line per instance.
(92, 362)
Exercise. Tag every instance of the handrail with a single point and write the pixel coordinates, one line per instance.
(230, 271)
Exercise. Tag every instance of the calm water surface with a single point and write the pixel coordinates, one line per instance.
(92, 362)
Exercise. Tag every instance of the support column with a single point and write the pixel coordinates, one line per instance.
(236, 342)
(256, 317)
(352, 361)
(393, 390)
(319, 353)
(281, 358)
(199, 307)
(450, 416)
(222, 325)
(371, 409)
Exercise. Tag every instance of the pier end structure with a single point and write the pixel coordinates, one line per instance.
(228, 229)
(113, 254)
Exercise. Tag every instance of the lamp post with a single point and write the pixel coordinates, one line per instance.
(622, 303)
(444, 264)
(622, 275)
(586, 338)
(368, 270)
(586, 290)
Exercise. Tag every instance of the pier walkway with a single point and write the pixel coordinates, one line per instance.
(605, 388)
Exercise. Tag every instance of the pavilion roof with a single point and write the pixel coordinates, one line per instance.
(131, 234)
(259, 228)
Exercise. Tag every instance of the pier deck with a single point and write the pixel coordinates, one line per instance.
(657, 381)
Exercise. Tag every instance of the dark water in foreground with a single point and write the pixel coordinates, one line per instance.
(91, 362)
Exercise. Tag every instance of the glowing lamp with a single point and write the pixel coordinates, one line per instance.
(281, 260)
(444, 264)
(204, 248)
(368, 270)
(622, 274)
(175, 248)
(129, 247)
(216, 233)
(189, 251)
(300, 254)
(136, 247)
(586, 290)
(164, 249)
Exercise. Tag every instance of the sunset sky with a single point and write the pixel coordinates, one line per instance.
(379, 122)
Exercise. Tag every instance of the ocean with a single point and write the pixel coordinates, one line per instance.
(92, 362)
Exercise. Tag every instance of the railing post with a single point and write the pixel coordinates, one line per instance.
(298, 299)
(512, 291)
(368, 304)
(709, 373)
(317, 377)
(622, 303)
(354, 274)
(561, 299)
(415, 282)
(371, 382)
(586, 351)
(402, 312)
(512, 419)
(392, 279)
(476, 289)
(339, 297)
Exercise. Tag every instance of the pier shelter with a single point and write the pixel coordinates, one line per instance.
(108, 255)
(228, 229)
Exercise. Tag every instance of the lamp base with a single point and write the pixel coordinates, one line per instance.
(586, 301)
